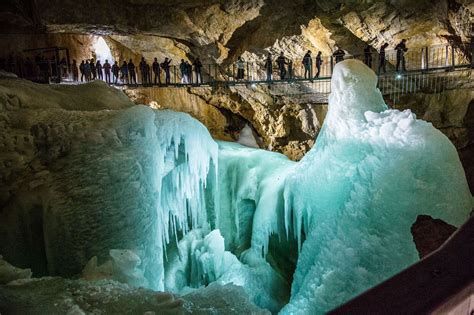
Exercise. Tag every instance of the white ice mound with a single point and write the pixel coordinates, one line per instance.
(358, 191)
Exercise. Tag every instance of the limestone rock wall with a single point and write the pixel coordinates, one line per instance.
(283, 124)
(219, 31)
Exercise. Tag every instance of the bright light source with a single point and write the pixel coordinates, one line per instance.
(253, 86)
(102, 51)
(399, 76)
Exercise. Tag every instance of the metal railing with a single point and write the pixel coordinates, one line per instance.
(426, 59)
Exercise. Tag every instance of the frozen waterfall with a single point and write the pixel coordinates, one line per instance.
(147, 197)
(354, 197)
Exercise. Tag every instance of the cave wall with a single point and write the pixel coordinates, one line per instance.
(219, 31)
(80, 46)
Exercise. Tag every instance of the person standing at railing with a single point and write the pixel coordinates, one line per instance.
(156, 72)
(269, 66)
(240, 68)
(148, 73)
(197, 69)
(98, 67)
(107, 68)
(124, 70)
(290, 69)
(339, 54)
(319, 62)
(183, 70)
(93, 69)
(307, 64)
(189, 72)
(382, 60)
(401, 49)
(132, 72)
(87, 71)
(166, 67)
(63, 67)
(368, 56)
(115, 71)
(75, 72)
(142, 66)
(281, 62)
(82, 70)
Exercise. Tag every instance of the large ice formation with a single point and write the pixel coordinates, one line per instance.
(357, 192)
(148, 198)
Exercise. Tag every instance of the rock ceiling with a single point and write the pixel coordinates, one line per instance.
(222, 30)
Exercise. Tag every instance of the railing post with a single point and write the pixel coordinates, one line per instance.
(209, 74)
(446, 62)
(248, 72)
(332, 65)
(453, 60)
(423, 61)
(427, 60)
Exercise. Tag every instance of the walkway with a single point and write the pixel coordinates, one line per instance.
(430, 69)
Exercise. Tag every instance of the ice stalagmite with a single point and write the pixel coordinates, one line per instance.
(357, 192)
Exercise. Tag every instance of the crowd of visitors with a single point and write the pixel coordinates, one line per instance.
(192, 73)
(285, 65)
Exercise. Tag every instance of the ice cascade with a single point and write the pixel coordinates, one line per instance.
(353, 197)
(181, 158)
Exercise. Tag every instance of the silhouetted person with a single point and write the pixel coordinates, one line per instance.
(148, 73)
(368, 56)
(82, 71)
(165, 65)
(307, 64)
(63, 67)
(87, 70)
(382, 59)
(115, 71)
(269, 66)
(401, 48)
(189, 72)
(183, 71)
(197, 69)
(240, 68)
(132, 72)
(124, 70)
(319, 62)
(290, 69)
(52, 64)
(93, 69)
(143, 71)
(75, 72)
(98, 68)
(156, 72)
(107, 68)
(339, 55)
(281, 62)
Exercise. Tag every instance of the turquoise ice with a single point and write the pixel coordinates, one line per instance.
(354, 197)
(160, 204)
